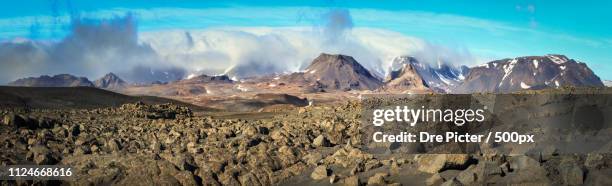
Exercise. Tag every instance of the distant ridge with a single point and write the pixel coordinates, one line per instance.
(72, 97)
(60, 80)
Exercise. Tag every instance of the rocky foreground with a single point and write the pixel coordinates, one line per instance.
(138, 144)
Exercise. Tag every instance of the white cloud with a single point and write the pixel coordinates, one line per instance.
(289, 49)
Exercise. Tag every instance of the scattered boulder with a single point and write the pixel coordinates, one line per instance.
(378, 179)
(164, 111)
(42, 155)
(572, 175)
(321, 141)
(434, 163)
(435, 179)
(452, 182)
(351, 181)
(14, 120)
(320, 172)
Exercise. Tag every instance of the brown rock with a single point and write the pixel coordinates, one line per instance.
(351, 181)
(433, 163)
(319, 172)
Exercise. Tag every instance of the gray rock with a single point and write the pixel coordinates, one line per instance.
(572, 175)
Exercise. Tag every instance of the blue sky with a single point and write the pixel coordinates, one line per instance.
(487, 29)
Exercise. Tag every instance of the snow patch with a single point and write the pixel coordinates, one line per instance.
(191, 76)
(557, 83)
(508, 70)
(461, 77)
(312, 72)
(562, 67)
(486, 65)
(556, 59)
(535, 63)
(443, 79)
(524, 86)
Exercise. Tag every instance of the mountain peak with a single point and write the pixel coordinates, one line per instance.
(440, 77)
(337, 59)
(529, 72)
(404, 78)
(110, 81)
(340, 72)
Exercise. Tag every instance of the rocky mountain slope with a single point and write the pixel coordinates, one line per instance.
(208, 79)
(110, 81)
(340, 72)
(403, 79)
(441, 78)
(529, 72)
(60, 80)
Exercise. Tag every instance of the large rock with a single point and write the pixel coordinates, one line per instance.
(351, 181)
(378, 179)
(321, 141)
(320, 172)
(435, 179)
(478, 173)
(42, 155)
(14, 120)
(126, 170)
(434, 163)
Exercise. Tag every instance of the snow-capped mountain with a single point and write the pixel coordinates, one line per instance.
(529, 72)
(404, 78)
(441, 77)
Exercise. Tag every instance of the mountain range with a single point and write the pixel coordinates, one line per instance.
(60, 80)
(336, 72)
(109, 81)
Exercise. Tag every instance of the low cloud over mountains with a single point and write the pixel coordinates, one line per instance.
(94, 47)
